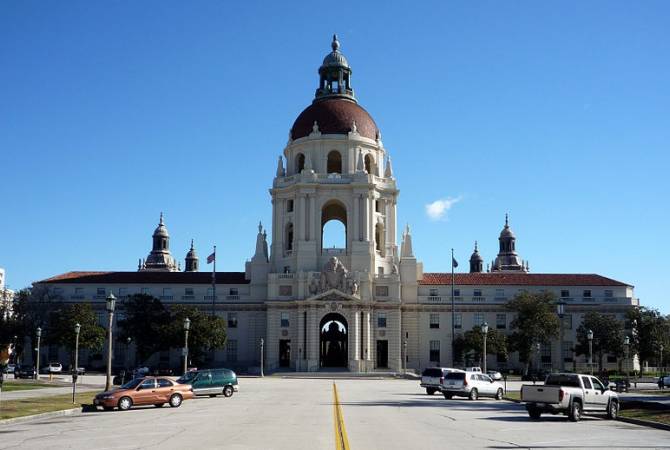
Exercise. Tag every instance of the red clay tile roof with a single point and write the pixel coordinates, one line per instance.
(519, 279)
(148, 278)
(334, 116)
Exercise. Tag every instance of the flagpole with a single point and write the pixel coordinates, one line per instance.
(453, 313)
(214, 285)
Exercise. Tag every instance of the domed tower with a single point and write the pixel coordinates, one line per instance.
(507, 259)
(476, 261)
(335, 170)
(191, 261)
(160, 258)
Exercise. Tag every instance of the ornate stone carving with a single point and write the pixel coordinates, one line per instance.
(335, 276)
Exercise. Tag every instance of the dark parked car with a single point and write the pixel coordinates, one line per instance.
(25, 372)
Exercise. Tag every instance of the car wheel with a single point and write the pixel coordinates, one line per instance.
(159, 405)
(447, 396)
(613, 410)
(430, 391)
(474, 395)
(534, 413)
(575, 412)
(125, 403)
(228, 391)
(499, 394)
(175, 400)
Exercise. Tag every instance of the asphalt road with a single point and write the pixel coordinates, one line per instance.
(276, 413)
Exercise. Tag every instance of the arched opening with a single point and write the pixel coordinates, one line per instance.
(333, 228)
(379, 238)
(299, 163)
(333, 341)
(369, 164)
(289, 238)
(334, 162)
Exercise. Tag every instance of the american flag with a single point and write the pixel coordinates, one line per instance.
(211, 258)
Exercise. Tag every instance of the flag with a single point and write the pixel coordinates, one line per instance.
(454, 263)
(211, 258)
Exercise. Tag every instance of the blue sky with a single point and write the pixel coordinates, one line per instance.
(556, 112)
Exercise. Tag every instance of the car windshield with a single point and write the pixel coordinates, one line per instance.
(455, 376)
(433, 372)
(187, 378)
(132, 384)
(562, 380)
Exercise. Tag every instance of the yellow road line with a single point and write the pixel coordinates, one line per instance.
(341, 440)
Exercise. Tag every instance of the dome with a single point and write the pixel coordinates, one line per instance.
(506, 231)
(334, 116)
(335, 58)
(191, 253)
(161, 230)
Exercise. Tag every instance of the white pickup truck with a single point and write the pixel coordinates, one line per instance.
(571, 394)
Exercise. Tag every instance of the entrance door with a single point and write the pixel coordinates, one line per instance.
(383, 354)
(285, 353)
(334, 341)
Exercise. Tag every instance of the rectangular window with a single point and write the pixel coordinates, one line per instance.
(457, 292)
(231, 350)
(567, 322)
(232, 320)
(188, 291)
(567, 351)
(500, 293)
(381, 320)
(285, 290)
(609, 293)
(501, 321)
(58, 291)
(477, 293)
(289, 206)
(284, 320)
(167, 293)
(123, 292)
(381, 291)
(380, 270)
(146, 291)
(565, 293)
(377, 206)
(234, 291)
(587, 293)
(435, 352)
(546, 353)
(100, 291)
(433, 293)
(434, 320)
(79, 291)
(458, 320)
(478, 319)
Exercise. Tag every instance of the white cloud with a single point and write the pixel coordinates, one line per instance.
(439, 208)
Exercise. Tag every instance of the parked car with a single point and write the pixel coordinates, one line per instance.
(472, 385)
(155, 391)
(211, 382)
(10, 368)
(54, 367)
(25, 371)
(571, 394)
(495, 375)
(432, 378)
(664, 381)
(473, 369)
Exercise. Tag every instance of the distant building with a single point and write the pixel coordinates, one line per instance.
(367, 306)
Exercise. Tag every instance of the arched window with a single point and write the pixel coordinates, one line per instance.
(299, 163)
(289, 237)
(333, 227)
(379, 238)
(369, 163)
(334, 162)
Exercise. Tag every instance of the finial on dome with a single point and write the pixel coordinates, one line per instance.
(192, 247)
(476, 249)
(260, 226)
(161, 220)
(335, 44)
(506, 219)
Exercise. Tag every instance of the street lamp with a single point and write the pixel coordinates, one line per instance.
(187, 327)
(111, 303)
(560, 310)
(404, 359)
(262, 342)
(485, 332)
(538, 346)
(589, 336)
(626, 350)
(75, 369)
(38, 333)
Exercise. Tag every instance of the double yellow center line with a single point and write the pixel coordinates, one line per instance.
(341, 440)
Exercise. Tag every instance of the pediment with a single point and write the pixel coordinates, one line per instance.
(333, 295)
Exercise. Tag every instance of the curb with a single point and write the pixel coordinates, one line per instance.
(514, 400)
(644, 423)
(47, 415)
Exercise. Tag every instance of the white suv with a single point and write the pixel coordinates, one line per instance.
(54, 367)
(471, 385)
(432, 378)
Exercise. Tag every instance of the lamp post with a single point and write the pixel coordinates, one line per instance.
(262, 342)
(404, 358)
(485, 332)
(560, 310)
(38, 333)
(75, 369)
(626, 350)
(187, 327)
(589, 336)
(111, 303)
(538, 346)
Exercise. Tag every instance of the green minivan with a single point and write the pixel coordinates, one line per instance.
(211, 382)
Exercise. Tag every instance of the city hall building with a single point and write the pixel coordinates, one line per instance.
(366, 307)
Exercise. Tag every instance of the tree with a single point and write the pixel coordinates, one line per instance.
(473, 341)
(607, 336)
(207, 332)
(648, 331)
(145, 320)
(61, 327)
(535, 321)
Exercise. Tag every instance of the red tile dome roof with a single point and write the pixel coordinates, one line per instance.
(334, 116)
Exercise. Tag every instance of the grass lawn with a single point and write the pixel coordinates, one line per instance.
(29, 406)
(647, 414)
(9, 386)
(514, 395)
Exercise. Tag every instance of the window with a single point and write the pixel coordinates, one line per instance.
(58, 291)
(381, 291)
(567, 322)
(587, 383)
(587, 293)
(79, 291)
(167, 292)
(148, 384)
(478, 319)
(284, 320)
(163, 383)
(433, 293)
(377, 206)
(434, 320)
(289, 237)
(100, 291)
(210, 293)
(289, 206)
(146, 291)
(567, 351)
(458, 320)
(334, 164)
(501, 321)
(285, 290)
(232, 320)
(369, 164)
(609, 293)
(500, 293)
(381, 320)
(299, 163)
(597, 384)
(457, 292)
(188, 291)
(123, 292)
(565, 293)
(435, 351)
(231, 350)
(380, 270)
(545, 350)
(234, 291)
(477, 293)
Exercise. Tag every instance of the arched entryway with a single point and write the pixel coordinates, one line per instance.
(333, 341)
